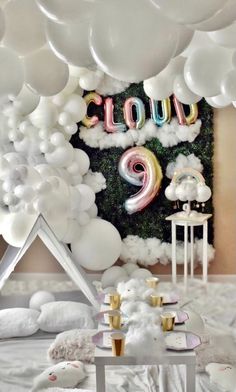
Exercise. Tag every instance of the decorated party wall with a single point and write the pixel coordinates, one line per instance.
(117, 195)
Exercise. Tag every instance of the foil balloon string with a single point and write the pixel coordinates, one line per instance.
(160, 113)
(140, 167)
(165, 117)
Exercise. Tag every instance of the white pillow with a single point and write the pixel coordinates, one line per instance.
(16, 322)
(223, 375)
(64, 375)
(64, 315)
(73, 345)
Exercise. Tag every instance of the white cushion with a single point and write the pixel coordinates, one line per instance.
(16, 322)
(222, 375)
(72, 345)
(64, 374)
(64, 315)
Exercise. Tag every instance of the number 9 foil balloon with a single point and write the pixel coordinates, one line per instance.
(139, 166)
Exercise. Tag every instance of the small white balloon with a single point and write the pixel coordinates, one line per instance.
(110, 276)
(93, 211)
(203, 193)
(130, 267)
(45, 115)
(170, 192)
(183, 93)
(141, 273)
(225, 37)
(83, 218)
(228, 85)
(83, 161)
(76, 107)
(87, 197)
(58, 10)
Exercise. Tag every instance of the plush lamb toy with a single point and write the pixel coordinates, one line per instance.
(144, 341)
(141, 319)
(64, 374)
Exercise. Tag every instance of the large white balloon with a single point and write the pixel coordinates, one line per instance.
(24, 26)
(225, 37)
(228, 85)
(161, 86)
(70, 42)
(45, 73)
(2, 24)
(83, 161)
(18, 227)
(220, 101)
(200, 40)
(127, 41)
(191, 11)
(69, 10)
(11, 73)
(99, 245)
(183, 93)
(76, 107)
(205, 69)
(221, 19)
(87, 197)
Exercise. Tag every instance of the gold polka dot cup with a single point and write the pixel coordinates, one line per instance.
(168, 321)
(115, 301)
(156, 300)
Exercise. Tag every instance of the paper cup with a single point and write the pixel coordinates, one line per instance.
(156, 300)
(114, 317)
(118, 344)
(152, 282)
(114, 301)
(168, 321)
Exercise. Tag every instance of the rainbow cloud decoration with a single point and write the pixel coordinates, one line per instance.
(188, 185)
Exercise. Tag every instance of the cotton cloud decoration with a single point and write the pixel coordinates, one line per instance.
(183, 161)
(170, 134)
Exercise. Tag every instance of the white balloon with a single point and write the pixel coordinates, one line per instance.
(2, 24)
(45, 115)
(83, 218)
(221, 19)
(73, 232)
(192, 11)
(40, 298)
(63, 40)
(228, 85)
(82, 160)
(200, 40)
(17, 228)
(11, 73)
(181, 193)
(57, 139)
(26, 101)
(205, 69)
(110, 276)
(24, 26)
(90, 80)
(3, 215)
(76, 107)
(24, 192)
(98, 247)
(183, 93)
(93, 211)
(71, 86)
(161, 86)
(61, 156)
(87, 197)
(58, 10)
(203, 193)
(184, 38)
(128, 45)
(225, 37)
(130, 267)
(45, 73)
(170, 192)
(220, 101)
(77, 72)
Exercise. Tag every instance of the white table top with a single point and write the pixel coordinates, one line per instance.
(182, 217)
(105, 357)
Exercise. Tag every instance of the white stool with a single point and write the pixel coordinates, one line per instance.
(189, 221)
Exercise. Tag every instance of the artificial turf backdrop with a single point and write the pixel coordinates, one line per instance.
(151, 221)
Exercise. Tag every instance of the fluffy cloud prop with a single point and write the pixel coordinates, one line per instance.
(169, 135)
(95, 180)
(134, 289)
(151, 251)
(182, 161)
(144, 341)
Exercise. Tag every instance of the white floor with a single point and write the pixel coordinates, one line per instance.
(21, 360)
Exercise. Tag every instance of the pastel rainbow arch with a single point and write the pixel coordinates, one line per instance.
(188, 171)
